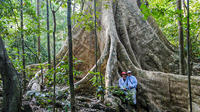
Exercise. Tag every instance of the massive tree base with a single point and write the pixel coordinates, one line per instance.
(128, 42)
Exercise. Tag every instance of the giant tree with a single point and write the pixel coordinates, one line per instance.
(127, 41)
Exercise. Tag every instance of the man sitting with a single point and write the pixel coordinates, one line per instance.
(123, 81)
(132, 85)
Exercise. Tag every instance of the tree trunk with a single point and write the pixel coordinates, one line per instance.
(34, 45)
(11, 82)
(48, 38)
(128, 42)
(95, 33)
(70, 57)
(38, 27)
(22, 43)
(82, 4)
(189, 71)
(54, 53)
(54, 59)
(181, 40)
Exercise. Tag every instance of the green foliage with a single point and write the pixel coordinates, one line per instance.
(44, 99)
(96, 81)
(61, 73)
(165, 14)
(11, 32)
(145, 10)
(116, 91)
(10, 28)
(86, 20)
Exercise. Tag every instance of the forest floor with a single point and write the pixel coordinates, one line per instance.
(83, 104)
(86, 101)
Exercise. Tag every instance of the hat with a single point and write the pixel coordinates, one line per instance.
(129, 72)
(123, 73)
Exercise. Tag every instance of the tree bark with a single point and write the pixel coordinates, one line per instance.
(189, 71)
(96, 44)
(22, 43)
(54, 59)
(11, 82)
(82, 4)
(181, 40)
(38, 27)
(53, 10)
(70, 57)
(48, 38)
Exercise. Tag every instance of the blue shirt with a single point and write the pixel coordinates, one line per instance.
(123, 84)
(132, 81)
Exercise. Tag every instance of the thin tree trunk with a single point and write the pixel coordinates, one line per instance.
(181, 40)
(34, 38)
(54, 53)
(188, 59)
(34, 45)
(38, 51)
(23, 53)
(18, 48)
(184, 8)
(11, 83)
(82, 4)
(48, 38)
(38, 15)
(71, 80)
(54, 59)
(95, 33)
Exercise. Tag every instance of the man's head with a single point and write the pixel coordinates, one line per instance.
(129, 73)
(124, 74)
